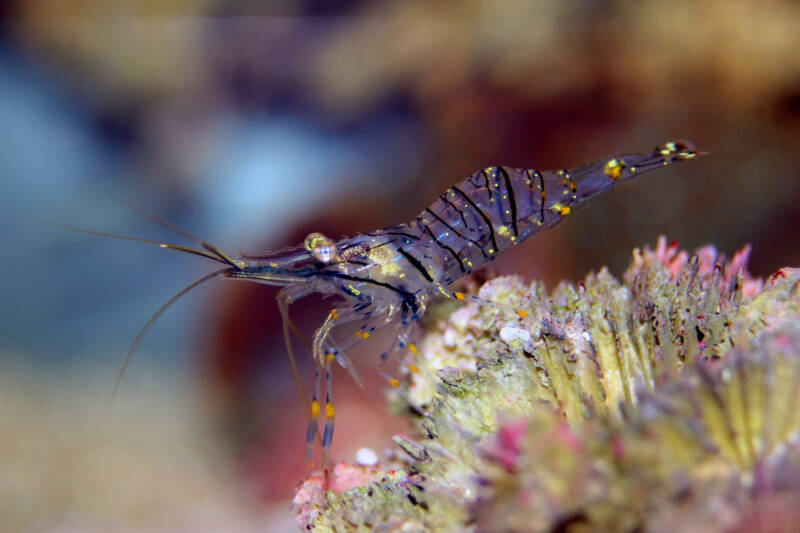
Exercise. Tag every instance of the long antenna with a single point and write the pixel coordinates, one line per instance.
(210, 247)
(194, 251)
(153, 320)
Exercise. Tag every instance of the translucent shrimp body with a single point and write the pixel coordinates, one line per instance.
(388, 276)
(392, 273)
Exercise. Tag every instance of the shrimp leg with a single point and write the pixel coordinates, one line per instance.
(311, 434)
(330, 412)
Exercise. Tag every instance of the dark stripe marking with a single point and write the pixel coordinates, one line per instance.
(335, 274)
(457, 210)
(362, 306)
(491, 195)
(485, 217)
(512, 201)
(454, 230)
(415, 262)
(542, 194)
(409, 235)
(452, 252)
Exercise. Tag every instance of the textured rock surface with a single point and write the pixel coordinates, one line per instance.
(666, 401)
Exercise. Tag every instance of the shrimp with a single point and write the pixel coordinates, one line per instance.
(389, 276)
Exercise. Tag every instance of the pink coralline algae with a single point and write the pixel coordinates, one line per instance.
(666, 401)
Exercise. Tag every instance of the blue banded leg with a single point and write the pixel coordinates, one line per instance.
(402, 337)
(312, 423)
(330, 412)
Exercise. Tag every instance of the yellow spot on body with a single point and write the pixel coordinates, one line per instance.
(331, 357)
(566, 210)
(522, 313)
(334, 314)
(359, 334)
(459, 296)
(413, 348)
(503, 231)
(330, 412)
(413, 368)
(394, 383)
(561, 209)
(384, 257)
(354, 290)
(314, 408)
(614, 169)
(490, 250)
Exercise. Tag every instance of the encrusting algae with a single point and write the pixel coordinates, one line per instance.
(669, 401)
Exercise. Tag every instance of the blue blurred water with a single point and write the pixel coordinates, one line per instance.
(67, 294)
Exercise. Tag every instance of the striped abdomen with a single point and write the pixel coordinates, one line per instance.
(499, 207)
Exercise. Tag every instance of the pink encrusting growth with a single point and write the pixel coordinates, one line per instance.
(709, 258)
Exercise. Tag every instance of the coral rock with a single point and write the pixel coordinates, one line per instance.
(669, 401)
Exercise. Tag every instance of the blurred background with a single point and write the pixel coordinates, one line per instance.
(252, 124)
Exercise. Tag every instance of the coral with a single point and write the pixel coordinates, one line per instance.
(667, 401)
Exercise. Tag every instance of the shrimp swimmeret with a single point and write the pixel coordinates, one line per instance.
(388, 276)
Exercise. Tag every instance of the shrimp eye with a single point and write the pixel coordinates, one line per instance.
(322, 248)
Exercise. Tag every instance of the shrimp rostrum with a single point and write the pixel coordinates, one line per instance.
(388, 277)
